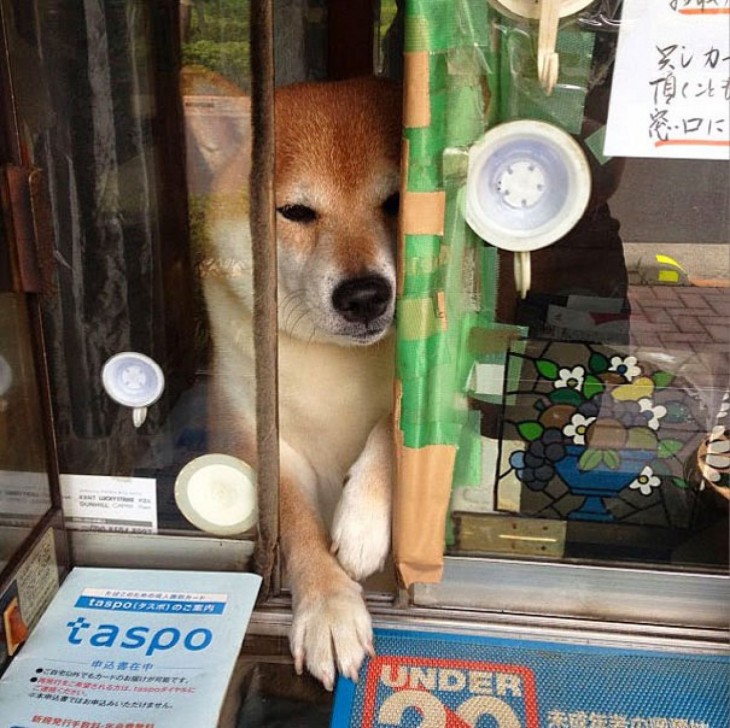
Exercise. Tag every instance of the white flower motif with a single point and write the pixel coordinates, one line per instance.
(645, 481)
(627, 366)
(652, 412)
(572, 378)
(576, 428)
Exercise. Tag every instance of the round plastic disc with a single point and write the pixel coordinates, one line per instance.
(133, 379)
(217, 494)
(528, 185)
(531, 8)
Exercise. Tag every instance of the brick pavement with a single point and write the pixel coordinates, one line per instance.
(681, 318)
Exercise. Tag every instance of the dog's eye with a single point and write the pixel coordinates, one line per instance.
(297, 213)
(392, 204)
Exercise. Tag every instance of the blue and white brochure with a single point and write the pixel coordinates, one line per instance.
(116, 646)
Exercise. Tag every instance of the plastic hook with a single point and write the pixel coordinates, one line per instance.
(548, 60)
(523, 272)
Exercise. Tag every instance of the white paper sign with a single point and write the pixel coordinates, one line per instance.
(128, 648)
(670, 96)
(105, 503)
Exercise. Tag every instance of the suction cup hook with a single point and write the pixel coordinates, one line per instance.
(548, 14)
(139, 415)
(133, 380)
(523, 272)
(527, 185)
(548, 61)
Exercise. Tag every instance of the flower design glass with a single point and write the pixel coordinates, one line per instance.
(645, 482)
(627, 367)
(602, 428)
(577, 427)
(652, 412)
(571, 378)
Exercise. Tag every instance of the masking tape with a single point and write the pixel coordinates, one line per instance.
(424, 479)
(423, 213)
(417, 99)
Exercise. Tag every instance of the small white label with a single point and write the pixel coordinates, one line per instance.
(106, 503)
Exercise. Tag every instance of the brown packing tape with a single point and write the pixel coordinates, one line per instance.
(419, 513)
(416, 98)
(424, 213)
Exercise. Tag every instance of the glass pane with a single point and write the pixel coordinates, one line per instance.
(585, 415)
(24, 487)
(133, 111)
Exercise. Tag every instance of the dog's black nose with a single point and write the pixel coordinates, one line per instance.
(361, 300)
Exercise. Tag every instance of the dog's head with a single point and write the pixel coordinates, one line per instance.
(337, 159)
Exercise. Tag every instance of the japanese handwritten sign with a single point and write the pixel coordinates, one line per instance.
(671, 87)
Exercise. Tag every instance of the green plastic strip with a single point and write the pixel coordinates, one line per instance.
(595, 143)
(481, 72)
(468, 465)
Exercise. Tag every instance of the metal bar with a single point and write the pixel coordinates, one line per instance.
(20, 211)
(263, 235)
(275, 620)
(628, 595)
(52, 520)
(155, 551)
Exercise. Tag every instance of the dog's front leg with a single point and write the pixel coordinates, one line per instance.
(361, 526)
(331, 626)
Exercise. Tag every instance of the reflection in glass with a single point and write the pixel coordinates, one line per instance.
(24, 487)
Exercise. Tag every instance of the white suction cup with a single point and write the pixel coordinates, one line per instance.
(528, 184)
(217, 494)
(133, 380)
(530, 9)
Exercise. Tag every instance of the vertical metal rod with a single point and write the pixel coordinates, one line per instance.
(263, 235)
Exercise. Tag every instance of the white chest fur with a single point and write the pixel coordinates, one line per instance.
(331, 398)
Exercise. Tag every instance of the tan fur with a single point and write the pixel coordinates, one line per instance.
(337, 153)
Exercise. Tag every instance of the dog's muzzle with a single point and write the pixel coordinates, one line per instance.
(362, 300)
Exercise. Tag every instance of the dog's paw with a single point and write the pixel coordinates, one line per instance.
(361, 527)
(332, 631)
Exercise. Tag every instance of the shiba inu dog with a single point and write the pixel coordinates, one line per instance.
(337, 158)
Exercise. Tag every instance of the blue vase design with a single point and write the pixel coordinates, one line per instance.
(600, 482)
